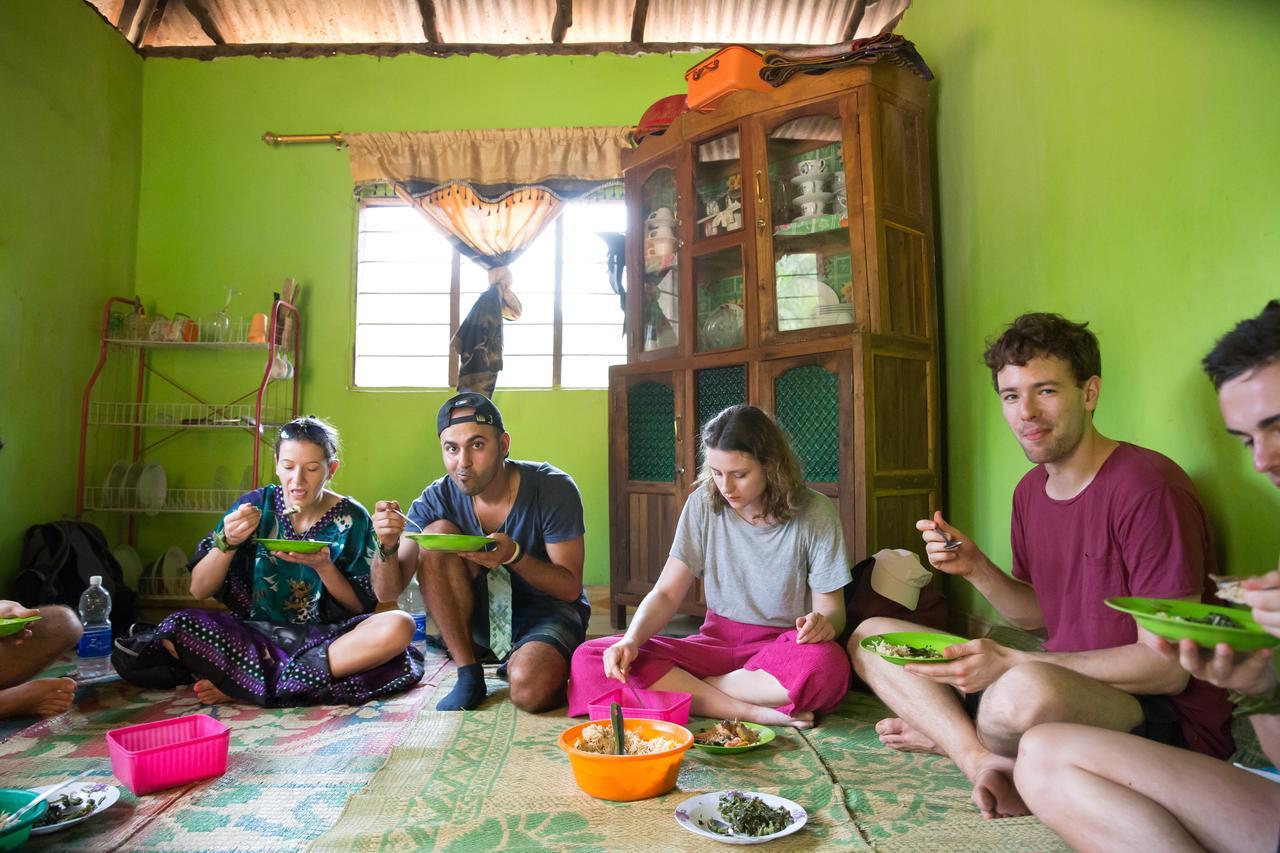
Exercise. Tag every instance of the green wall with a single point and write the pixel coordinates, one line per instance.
(219, 207)
(71, 99)
(1115, 162)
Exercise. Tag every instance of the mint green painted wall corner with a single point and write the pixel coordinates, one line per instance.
(219, 207)
(71, 91)
(1115, 162)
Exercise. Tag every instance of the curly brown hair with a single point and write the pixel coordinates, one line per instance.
(750, 430)
(1040, 334)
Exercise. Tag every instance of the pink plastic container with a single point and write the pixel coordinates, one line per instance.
(658, 705)
(167, 753)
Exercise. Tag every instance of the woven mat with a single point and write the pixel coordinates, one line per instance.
(494, 779)
(290, 771)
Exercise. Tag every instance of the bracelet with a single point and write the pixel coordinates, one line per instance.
(519, 554)
(220, 542)
(1247, 706)
(385, 553)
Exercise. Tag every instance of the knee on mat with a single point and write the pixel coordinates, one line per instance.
(534, 695)
(1039, 762)
(1021, 698)
(59, 623)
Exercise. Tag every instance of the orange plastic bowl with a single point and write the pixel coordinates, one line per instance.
(624, 778)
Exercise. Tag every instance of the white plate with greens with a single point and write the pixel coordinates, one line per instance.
(733, 817)
(76, 803)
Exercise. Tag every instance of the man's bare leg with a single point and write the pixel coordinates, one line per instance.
(446, 582)
(935, 711)
(537, 674)
(709, 701)
(1104, 790)
(56, 632)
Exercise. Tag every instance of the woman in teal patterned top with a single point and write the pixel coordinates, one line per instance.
(301, 628)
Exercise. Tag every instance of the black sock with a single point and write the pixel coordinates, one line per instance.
(468, 693)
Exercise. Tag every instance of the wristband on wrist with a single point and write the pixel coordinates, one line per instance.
(1247, 706)
(385, 553)
(220, 542)
(517, 556)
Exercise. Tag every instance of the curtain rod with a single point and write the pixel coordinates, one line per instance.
(301, 138)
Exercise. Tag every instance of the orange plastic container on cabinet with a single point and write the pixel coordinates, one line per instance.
(727, 70)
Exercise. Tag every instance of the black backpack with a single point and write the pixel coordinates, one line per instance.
(57, 561)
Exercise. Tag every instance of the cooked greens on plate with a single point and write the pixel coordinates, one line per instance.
(747, 815)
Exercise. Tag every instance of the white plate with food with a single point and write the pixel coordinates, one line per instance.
(741, 817)
(77, 802)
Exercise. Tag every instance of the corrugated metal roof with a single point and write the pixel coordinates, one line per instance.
(170, 24)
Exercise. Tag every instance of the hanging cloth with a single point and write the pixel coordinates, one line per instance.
(490, 192)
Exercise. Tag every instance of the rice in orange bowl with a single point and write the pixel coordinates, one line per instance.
(624, 778)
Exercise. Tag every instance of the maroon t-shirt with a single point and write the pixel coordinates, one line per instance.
(1138, 529)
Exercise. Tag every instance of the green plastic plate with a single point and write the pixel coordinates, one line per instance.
(1153, 614)
(296, 546)
(13, 624)
(457, 542)
(935, 643)
(766, 736)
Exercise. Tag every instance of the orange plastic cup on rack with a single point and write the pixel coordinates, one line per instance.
(258, 329)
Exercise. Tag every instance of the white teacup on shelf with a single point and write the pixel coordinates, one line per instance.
(815, 167)
(812, 187)
(810, 209)
(660, 232)
(660, 247)
(661, 216)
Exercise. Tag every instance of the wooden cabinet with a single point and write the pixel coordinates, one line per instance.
(780, 252)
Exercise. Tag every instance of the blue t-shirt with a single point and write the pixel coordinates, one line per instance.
(547, 509)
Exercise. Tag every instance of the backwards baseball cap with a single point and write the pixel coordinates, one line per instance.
(485, 412)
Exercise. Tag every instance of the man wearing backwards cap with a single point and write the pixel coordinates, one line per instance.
(520, 602)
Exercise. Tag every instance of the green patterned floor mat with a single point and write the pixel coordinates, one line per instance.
(494, 779)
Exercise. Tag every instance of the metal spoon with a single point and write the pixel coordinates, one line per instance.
(948, 544)
(13, 818)
(406, 518)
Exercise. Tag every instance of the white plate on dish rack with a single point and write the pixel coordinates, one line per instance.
(112, 487)
(152, 486)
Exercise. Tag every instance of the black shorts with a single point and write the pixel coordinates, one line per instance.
(1159, 717)
(560, 624)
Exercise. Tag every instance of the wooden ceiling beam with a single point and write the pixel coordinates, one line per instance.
(430, 28)
(298, 51)
(153, 22)
(564, 20)
(639, 14)
(855, 19)
(128, 12)
(201, 13)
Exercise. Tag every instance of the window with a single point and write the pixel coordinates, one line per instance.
(413, 290)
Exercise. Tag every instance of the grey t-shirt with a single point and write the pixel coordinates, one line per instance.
(762, 575)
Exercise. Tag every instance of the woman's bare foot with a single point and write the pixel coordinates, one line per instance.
(771, 717)
(46, 697)
(993, 790)
(210, 695)
(898, 734)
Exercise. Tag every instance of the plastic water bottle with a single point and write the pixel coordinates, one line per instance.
(411, 602)
(94, 651)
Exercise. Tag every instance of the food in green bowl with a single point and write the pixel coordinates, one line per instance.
(904, 647)
(1204, 624)
(11, 802)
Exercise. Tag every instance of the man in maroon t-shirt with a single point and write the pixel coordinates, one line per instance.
(1100, 789)
(1094, 518)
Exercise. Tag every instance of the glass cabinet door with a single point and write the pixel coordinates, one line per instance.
(809, 219)
(660, 314)
(717, 183)
(718, 300)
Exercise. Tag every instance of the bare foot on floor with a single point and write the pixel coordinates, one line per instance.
(46, 697)
(994, 793)
(770, 717)
(210, 695)
(898, 734)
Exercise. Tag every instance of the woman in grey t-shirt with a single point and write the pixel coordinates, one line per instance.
(770, 554)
